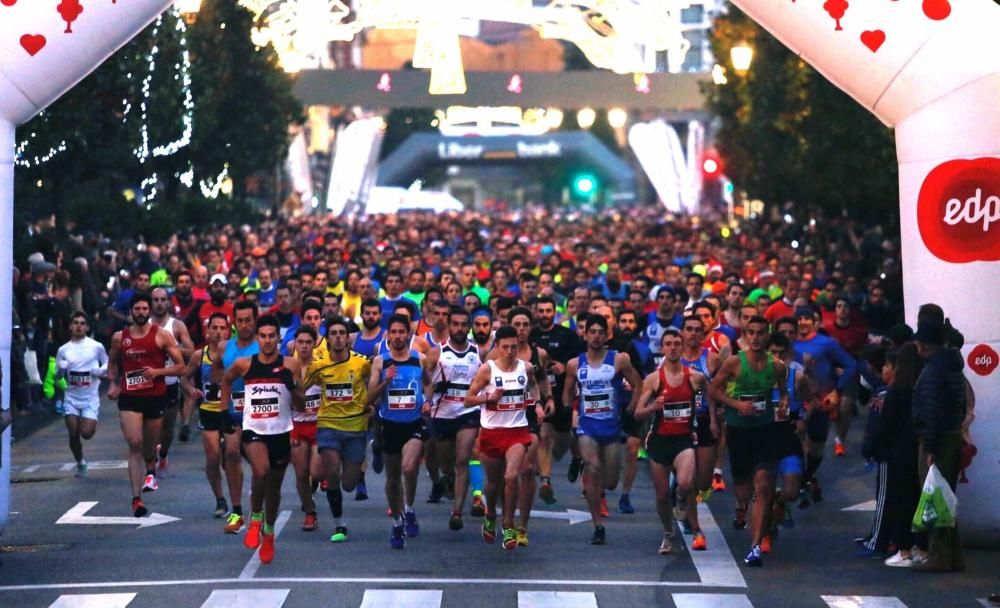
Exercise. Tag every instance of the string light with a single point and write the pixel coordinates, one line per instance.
(36, 160)
(211, 190)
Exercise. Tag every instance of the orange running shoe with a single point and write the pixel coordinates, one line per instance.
(699, 544)
(267, 549)
(765, 545)
(309, 523)
(839, 449)
(252, 538)
(604, 507)
(718, 483)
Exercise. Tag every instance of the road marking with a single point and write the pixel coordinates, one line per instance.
(711, 600)
(259, 598)
(32, 468)
(401, 598)
(78, 515)
(862, 601)
(868, 505)
(571, 515)
(69, 466)
(94, 600)
(556, 599)
(716, 567)
(251, 568)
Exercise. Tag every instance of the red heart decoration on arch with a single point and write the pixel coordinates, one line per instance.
(8, 2)
(32, 43)
(937, 9)
(873, 39)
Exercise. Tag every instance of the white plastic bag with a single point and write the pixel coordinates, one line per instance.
(938, 506)
(31, 366)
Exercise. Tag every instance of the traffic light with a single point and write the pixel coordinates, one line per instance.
(585, 186)
(711, 165)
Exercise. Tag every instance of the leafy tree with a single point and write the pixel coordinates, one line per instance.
(788, 134)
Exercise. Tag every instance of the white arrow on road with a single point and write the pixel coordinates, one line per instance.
(861, 506)
(570, 515)
(78, 515)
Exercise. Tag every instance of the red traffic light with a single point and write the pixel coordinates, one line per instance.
(712, 165)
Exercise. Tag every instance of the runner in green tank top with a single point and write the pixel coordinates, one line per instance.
(744, 385)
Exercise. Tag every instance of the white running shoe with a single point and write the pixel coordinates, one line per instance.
(149, 484)
(899, 561)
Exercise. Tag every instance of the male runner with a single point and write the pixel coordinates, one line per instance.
(599, 433)
(788, 430)
(136, 368)
(399, 380)
(502, 387)
(371, 334)
(342, 419)
(454, 426)
(243, 345)
(201, 372)
(82, 361)
(669, 393)
(716, 341)
(161, 317)
(482, 329)
(661, 319)
(700, 359)
(305, 455)
(436, 336)
(627, 332)
(272, 388)
(562, 344)
(744, 385)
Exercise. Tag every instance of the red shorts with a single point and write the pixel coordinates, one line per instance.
(494, 443)
(304, 432)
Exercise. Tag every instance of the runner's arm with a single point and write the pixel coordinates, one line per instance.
(236, 370)
(569, 387)
(479, 382)
(646, 405)
(624, 363)
(183, 338)
(114, 388)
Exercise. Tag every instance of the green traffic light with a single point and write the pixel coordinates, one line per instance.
(584, 185)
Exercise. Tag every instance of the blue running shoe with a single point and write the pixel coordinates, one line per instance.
(411, 525)
(753, 559)
(396, 540)
(625, 505)
(361, 492)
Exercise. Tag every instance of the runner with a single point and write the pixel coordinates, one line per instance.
(399, 379)
(437, 319)
(454, 426)
(664, 317)
(342, 419)
(200, 372)
(243, 345)
(305, 455)
(789, 431)
(716, 340)
(365, 341)
(700, 359)
(744, 385)
(502, 387)
(82, 362)
(628, 331)
(136, 368)
(599, 428)
(272, 387)
(482, 329)
(561, 344)
(669, 393)
(162, 318)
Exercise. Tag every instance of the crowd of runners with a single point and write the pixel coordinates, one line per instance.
(480, 349)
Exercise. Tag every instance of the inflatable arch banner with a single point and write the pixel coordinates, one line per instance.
(929, 68)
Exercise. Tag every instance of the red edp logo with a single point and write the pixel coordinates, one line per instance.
(983, 360)
(958, 210)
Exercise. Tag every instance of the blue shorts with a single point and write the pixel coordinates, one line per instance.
(352, 445)
(235, 420)
(790, 465)
(604, 432)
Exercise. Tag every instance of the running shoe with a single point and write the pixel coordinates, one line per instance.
(361, 492)
(899, 561)
(604, 507)
(139, 509)
(234, 524)
(489, 530)
(546, 494)
(667, 544)
(437, 492)
(573, 473)
(396, 539)
(221, 508)
(642, 454)
(865, 552)
(718, 483)
(251, 540)
(765, 544)
(839, 449)
(310, 523)
(753, 559)
(377, 464)
(599, 537)
(625, 505)
(455, 523)
(509, 539)
(267, 548)
(149, 483)
(522, 537)
(185, 433)
(699, 543)
(81, 469)
(478, 507)
(339, 535)
(740, 521)
(162, 464)
(410, 522)
(705, 495)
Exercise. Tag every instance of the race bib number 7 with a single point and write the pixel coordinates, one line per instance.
(402, 399)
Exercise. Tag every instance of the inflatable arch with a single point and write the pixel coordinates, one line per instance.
(929, 68)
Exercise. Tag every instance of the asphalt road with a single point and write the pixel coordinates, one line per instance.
(189, 562)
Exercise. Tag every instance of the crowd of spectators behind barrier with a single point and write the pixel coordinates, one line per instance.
(618, 253)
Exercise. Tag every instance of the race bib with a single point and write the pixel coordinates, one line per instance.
(238, 397)
(402, 399)
(135, 381)
(511, 401)
(598, 403)
(677, 412)
(265, 407)
(780, 415)
(211, 392)
(759, 403)
(455, 393)
(339, 393)
(78, 379)
(312, 404)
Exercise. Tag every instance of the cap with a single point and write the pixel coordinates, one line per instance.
(258, 252)
(929, 332)
(715, 268)
(221, 278)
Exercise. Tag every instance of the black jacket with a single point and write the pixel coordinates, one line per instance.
(939, 398)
